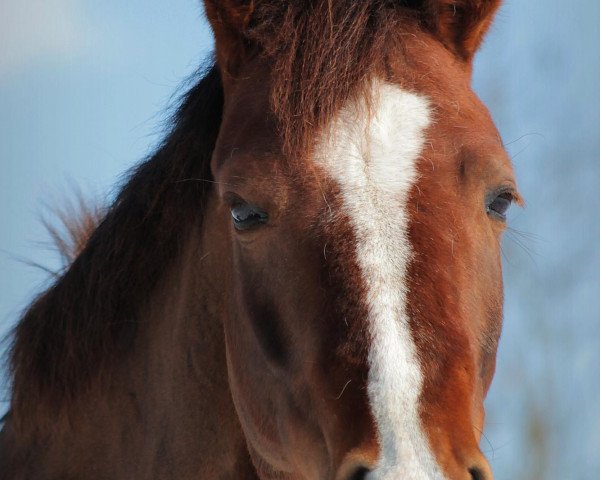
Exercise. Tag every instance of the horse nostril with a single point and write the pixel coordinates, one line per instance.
(360, 473)
(478, 474)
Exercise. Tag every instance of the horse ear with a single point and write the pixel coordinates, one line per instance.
(229, 20)
(461, 24)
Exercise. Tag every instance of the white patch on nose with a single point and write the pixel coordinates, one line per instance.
(371, 151)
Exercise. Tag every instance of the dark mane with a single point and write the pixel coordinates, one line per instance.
(88, 317)
(324, 52)
(72, 227)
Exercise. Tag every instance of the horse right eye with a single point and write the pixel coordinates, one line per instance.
(246, 216)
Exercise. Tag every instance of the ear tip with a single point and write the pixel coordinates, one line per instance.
(229, 20)
(462, 24)
(234, 13)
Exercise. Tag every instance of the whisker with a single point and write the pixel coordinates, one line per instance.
(524, 136)
(533, 237)
(493, 450)
(343, 389)
(204, 180)
(520, 152)
(518, 239)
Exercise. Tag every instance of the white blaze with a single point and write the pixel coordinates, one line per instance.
(371, 152)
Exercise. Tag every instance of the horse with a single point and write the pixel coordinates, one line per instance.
(302, 282)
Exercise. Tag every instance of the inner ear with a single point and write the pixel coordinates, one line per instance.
(460, 24)
(229, 20)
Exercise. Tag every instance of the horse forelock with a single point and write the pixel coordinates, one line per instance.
(321, 55)
(323, 52)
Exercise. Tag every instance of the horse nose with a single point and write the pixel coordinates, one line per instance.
(480, 470)
(358, 473)
(477, 472)
(352, 471)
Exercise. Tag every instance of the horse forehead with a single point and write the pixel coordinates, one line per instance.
(375, 133)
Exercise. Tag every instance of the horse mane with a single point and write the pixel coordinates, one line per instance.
(73, 226)
(87, 318)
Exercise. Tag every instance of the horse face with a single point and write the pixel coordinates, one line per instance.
(295, 327)
(362, 280)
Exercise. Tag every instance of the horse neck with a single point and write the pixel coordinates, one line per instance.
(164, 411)
(180, 377)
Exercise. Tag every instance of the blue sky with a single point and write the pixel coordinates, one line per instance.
(84, 92)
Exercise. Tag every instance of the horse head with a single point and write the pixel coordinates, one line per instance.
(360, 196)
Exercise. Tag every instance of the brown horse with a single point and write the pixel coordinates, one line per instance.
(304, 281)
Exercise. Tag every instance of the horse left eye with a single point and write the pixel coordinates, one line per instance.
(246, 216)
(500, 205)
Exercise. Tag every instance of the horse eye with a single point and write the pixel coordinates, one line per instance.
(246, 216)
(500, 205)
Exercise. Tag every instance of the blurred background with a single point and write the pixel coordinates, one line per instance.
(85, 91)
